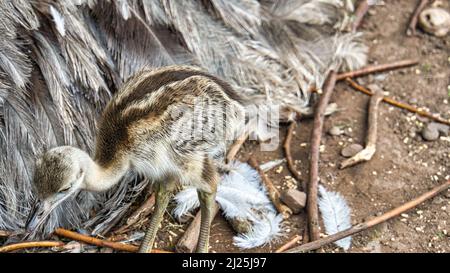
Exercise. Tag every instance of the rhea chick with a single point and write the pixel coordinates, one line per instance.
(171, 125)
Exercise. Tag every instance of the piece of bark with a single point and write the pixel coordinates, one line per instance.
(188, 242)
(143, 211)
(294, 199)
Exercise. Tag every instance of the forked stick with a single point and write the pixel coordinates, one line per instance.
(371, 141)
(373, 222)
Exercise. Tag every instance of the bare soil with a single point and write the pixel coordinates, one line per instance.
(404, 166)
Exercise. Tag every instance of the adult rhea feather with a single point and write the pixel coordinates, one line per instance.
(61, 61)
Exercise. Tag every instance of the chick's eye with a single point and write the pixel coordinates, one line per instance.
(64, 190)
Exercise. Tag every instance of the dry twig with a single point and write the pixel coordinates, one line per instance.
(316, 135)
(411, 31)
(24, 245)
(4, 233)
(360, 12)
(234, 149)
(376, 68)
(274, 194)
(98, 242)
(373, 222)
(401, 105)
(287, 151)
(289, 244)
(188, 242)
(371, 140)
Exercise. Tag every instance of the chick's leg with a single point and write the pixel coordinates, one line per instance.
(207, 203)
(163, 193)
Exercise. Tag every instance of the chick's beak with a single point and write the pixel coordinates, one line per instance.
(38, 214)
(42, 209)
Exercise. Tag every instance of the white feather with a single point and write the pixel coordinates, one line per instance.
(335, 214)
(271, 164)
(262, 233)
(186, 201)
(59, 21)
(240, 194)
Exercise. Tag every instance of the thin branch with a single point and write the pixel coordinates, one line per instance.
(234, 149)
(316, 135)
(289, 244)
(98, 242)
(143, 211)
(371, 140)
(376, 68)
(25, 245)
(5, 233)
(274, 194)
(373, 222)
(401, 105)
(287, 151)
(411, 31)
(360, 12)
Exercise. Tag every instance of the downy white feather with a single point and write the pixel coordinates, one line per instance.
(240, 194)
(335, 214)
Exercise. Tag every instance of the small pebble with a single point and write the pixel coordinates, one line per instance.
(294, 199)
(430, 133)
(442, 128)
(335, 131)
(413, 101)
(351, 150)
(433, 130)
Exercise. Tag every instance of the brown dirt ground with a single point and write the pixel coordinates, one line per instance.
(404, 166)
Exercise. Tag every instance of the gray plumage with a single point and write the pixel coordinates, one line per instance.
(61, 61)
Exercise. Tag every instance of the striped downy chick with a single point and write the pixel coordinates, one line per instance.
(171, 125)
